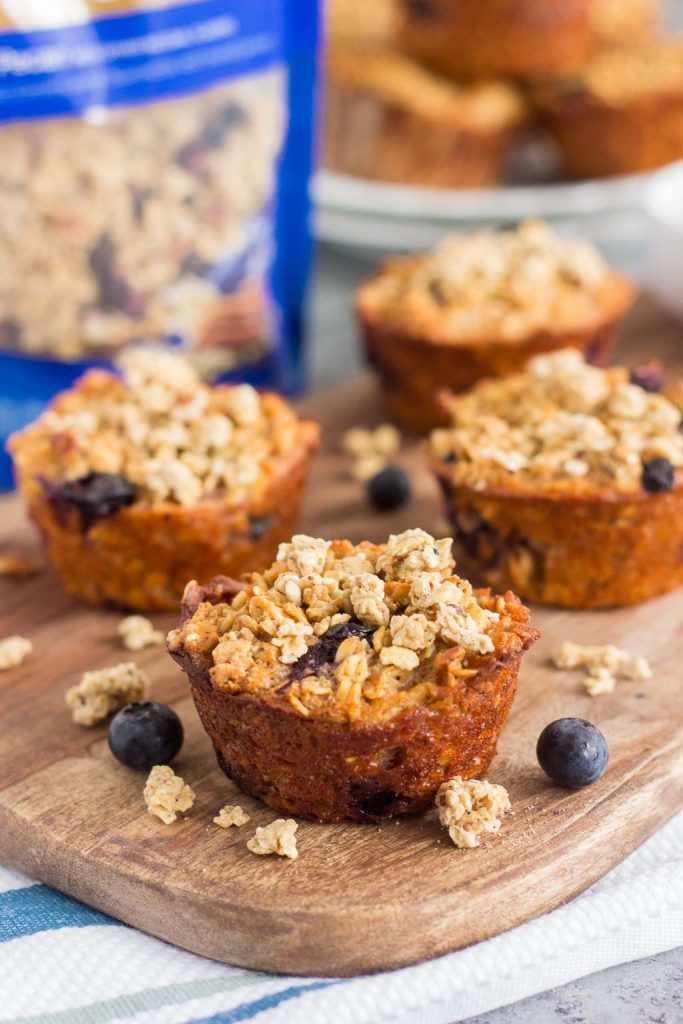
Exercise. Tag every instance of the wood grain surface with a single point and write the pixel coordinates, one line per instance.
(359, 898)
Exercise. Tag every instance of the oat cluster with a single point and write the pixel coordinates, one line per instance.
(105, 690)
(560, 425)
(492, 285)
(13, 651)
(371, 450)
(231, 814)
(470, 809)
(167, 795)
(110, 222)
(620, 76)
(137, 632)
(279, 837)
(407, 615)
(175, 438)
(602, 665)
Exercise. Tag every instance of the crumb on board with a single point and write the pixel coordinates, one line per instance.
(13, 651)
(471, 808)
(231, 814)
(105, 690)
(602, 665)
(167, 794)
(277, 837)
(137, 632)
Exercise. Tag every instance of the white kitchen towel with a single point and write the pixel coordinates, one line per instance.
(63, 963)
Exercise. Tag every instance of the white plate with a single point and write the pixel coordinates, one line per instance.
(371, 217)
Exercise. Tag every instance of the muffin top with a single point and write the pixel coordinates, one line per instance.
(503, 286)
(348, 631)
(487, 106)
(163, 434)
(564, 426)
(617, 77)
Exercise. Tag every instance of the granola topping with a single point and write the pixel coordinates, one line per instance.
(279, 837)
(166, 794)
(137, 632)
(504, 285)
(470, 809)
(231, 814)
(620, 76)
(172, 437)
(13, 651)
(105, 690)
(560, 425)
(345, 630)
(602, 665)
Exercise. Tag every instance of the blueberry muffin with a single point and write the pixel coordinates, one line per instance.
(481, 305)
(346, 683)
(389, 119)
(497, 38)
(139, 484)
(620, 114)
(566, 483)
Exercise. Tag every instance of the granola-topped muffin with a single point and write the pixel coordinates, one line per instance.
(497, 38)
(481, 305)
(347, 682)
(389, 119)
(622, 113)
(140, 483)
(566, 483)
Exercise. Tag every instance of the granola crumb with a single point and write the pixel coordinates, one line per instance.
(278, 837)
(370, 450)
(105, 690)
(231, 814)
(137, 632)
(13, 651)
(602, 664)
(166, 794)
(470, 809)
(17, 565)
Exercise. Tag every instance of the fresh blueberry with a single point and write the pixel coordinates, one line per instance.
(144, 734)
(572, 752)
(259, 526)
(389, 489)
(649, 377)
(658, 475)
(96, 495)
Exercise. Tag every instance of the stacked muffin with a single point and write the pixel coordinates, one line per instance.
(436, 92)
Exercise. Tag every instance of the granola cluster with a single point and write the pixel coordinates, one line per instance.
(231, 814)
(371, 450)
(561, 425)
(166, 794)
(279, 837)
(348, 630)
(111, 223)
(171, 436)
(470, 809)
(137, 632)
(13, 651)
(602, 665)
(505, 285)
(620, 76)
(105, 690)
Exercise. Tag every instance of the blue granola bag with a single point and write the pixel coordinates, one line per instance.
(154, 166)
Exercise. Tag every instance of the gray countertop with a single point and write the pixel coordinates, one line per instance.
(644, 992)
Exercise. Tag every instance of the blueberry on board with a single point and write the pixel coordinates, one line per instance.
(95, 496)
(572, 752)
(389, 489)
(658, 475)
(144, 734)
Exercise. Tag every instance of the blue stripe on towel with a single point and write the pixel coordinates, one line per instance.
(249, 1010)
(37, 908)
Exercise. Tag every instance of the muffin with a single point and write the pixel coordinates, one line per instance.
(481, 305)
(624, 22)
(139, 484)
(621, 114)
(348, 682)
(497, 38)
(389, 119)
(565, 482)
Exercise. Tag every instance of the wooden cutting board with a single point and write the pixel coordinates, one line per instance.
(359, 898)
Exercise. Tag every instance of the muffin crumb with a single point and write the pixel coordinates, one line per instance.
(13, 651)
(470, 809)
(167, 794)
(602, 665)
(370, 450)
(105, 690)
(231, 814)
(137, 632)
(278, 837)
